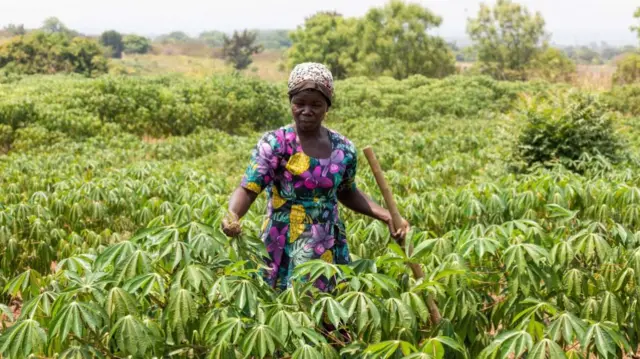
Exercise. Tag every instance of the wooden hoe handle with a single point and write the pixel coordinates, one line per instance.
(396, 219)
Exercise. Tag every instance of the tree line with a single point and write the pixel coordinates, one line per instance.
(509, 42)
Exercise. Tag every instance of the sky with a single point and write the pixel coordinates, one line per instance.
(570, 22)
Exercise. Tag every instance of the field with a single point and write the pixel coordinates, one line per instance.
(112, 191)
(265, 65)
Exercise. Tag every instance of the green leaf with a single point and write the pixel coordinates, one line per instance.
(284, 323)
(329, 308)
(74, 317)
(131, 336)
(114, 255)
(27, 284)
(39, 306)
(23, 339)
(389, 349)
(180, 310)
(417, 304)
(566, 327)
(147, 284)
(508, 344)
(546, 349)
(81, 352)
(260, 341)
(194, 277)
(80, 264)
(306, 352)
(606, 338)
(136, 264)
(222, 350)
(120, 303)
(315, 269)
(229, 330)
(443, 341)
(398, 315)
(362, 308)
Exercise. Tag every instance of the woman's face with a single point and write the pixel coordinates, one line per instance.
(308, 109)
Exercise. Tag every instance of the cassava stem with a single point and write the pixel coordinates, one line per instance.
(397, 223)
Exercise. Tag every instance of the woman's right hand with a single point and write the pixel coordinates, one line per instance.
(231, 225)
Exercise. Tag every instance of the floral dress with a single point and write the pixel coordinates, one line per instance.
(302, 221)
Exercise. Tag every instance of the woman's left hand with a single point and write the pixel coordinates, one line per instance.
(401, 233)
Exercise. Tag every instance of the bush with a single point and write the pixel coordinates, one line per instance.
(113, 40)
(6, 137)
(419, 97)
(625, 99)
(627, 70)
(159, 106)
(35, 137)
(565, 129)
(551, 65)
(48, 53)
(134, 44)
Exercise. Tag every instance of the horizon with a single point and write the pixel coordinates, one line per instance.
(600, 21)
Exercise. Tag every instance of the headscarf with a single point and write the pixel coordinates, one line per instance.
(311, 75)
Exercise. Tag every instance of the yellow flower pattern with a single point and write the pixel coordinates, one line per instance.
(276, 199)
(253, 187)
(296, 222)
(298, 163)
(327, 256)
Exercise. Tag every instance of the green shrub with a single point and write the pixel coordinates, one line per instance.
(627, 70)
(418, 97)
(551, 65)
(567, 128)
(160, 106)
(135, 44)
(35, 137)
(6, 137)
(625, 99)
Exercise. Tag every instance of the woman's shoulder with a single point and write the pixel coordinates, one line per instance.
(342, 141)
(277, 135)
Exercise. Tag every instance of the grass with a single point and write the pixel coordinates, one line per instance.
(264, 66)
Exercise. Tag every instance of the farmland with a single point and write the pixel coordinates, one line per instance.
(112, 192)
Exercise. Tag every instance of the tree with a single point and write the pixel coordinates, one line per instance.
(47, 53)
(175, 37)
(212, 38)
(325, 37)
(135, 44)
(14, 30)
(273, 39)
(627, 69)
(551, 65)
(395, 42)
(637, 28)
(53, 25)
(113, 39)
(506, 37)
(239, 48)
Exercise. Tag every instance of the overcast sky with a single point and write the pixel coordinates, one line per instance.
(569, 21)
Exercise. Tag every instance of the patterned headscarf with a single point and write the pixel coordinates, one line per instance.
(311, 75)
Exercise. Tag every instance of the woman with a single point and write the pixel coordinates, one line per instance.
(306, 169)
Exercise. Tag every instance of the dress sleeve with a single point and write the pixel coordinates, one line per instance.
(263, 163)
(348, 182)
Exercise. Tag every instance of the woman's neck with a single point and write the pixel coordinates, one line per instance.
(314, 134)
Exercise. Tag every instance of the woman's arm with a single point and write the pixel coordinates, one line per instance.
(358, 202)
(239, 204)
(241, 200)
